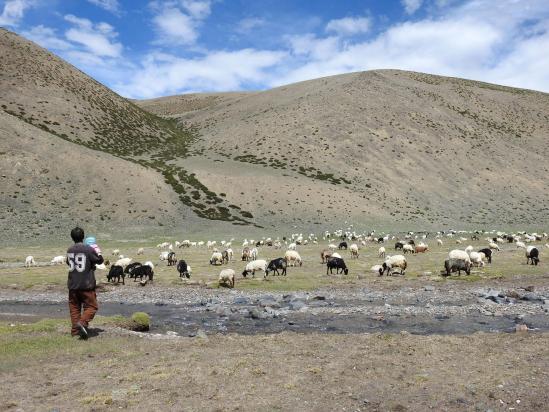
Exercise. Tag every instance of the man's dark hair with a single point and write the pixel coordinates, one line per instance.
(77, 234)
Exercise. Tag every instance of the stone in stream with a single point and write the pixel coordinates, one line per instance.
(242, 300)
(297, 305)
(429, 288)
(532, 297)
(268, 300)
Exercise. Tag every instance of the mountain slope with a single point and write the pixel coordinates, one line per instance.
(49, 95)
(376, 147)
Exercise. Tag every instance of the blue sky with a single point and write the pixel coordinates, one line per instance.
(150, 48)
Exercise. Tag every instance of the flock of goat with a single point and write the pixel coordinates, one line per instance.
(458, 260)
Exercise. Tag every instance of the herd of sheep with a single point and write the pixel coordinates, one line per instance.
(457, 261)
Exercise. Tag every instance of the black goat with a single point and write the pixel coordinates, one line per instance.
(116, 272)
(275, 265)
(338, 264)
(182, 269)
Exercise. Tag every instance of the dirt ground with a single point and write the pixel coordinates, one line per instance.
(287, 371)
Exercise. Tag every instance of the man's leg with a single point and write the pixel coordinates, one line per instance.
(89, 300)
(74, 309)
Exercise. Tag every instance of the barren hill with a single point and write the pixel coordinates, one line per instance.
(74, 151)
(376, 147)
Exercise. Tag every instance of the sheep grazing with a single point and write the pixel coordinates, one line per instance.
(456, 265)
(227, 278)
(185, 243)
(246, 254)
(163, 255)
(338, 264)
(144, 271)
(140, 251)
(325, 254)
(275, 265)
(354, 251)
(292, 258)
(532, 255)
(58, 260)
(440, 242)
(521, 245)
(292, 246)
(399, 245)
(224, 257)
(458, 241)
(29, 261)
(547, 245)
(230, 254)
(494, 246)
(342, 245)
(129, 269)
(115, 252)
(394, 262)
(332, 246)
(381, 252)
(116, 272)
(183, 269)
(123, 262)
(172, 260)
(216, 259)
(476, 259)
(421, 248)
(459, 255)
(254, 266)
(408, 249)
(469, 249)
(487, 253)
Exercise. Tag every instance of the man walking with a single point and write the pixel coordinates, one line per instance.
(82, 259)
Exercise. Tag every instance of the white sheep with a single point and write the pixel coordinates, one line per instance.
(200, 243)
(547, 245)
(217, 258)
(354, 250)
(459, 255)
(177, 243)
(440, 242)
(29, 261)
(227, 277)
(521, 245)
(381, 252)
(230, 253)
(332, 246)
(254, 266)
(493, 245)
(210, 244)
(253, 253)
(58, 260)
(292, 258)
(101, 266)
(163, 255)
(140, 251)
(476, 258)
(394, 262)
(336, 255)
(376, 269)
(123, 262)
(116, 252)
(292, 246)
(469, 249)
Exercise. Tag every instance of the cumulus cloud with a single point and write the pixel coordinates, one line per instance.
(110, 5)
(97, 39)
(13, 12)
(178, 22)
(47, 38)
(163, 74)
(411, 6)
(349, 26)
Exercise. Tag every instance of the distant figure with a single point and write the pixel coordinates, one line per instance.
(82, 259)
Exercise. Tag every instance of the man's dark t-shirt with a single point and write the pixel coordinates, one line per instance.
(82, 260)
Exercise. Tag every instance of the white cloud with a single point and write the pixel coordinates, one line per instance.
(46, 37)
(248, 24)
(110, 5)
(97, 39)
(198, 10)
(173, 25)
(13, 11)
(163, 74)
(349, 26)
(411, 6)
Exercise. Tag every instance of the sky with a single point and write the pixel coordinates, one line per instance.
(152, 48)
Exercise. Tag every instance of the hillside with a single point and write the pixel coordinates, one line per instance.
(380, 148)
(65, 119)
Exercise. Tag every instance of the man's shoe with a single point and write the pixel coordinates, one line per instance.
(82, 331)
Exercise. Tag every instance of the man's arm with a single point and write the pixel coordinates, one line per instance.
(95, 259)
